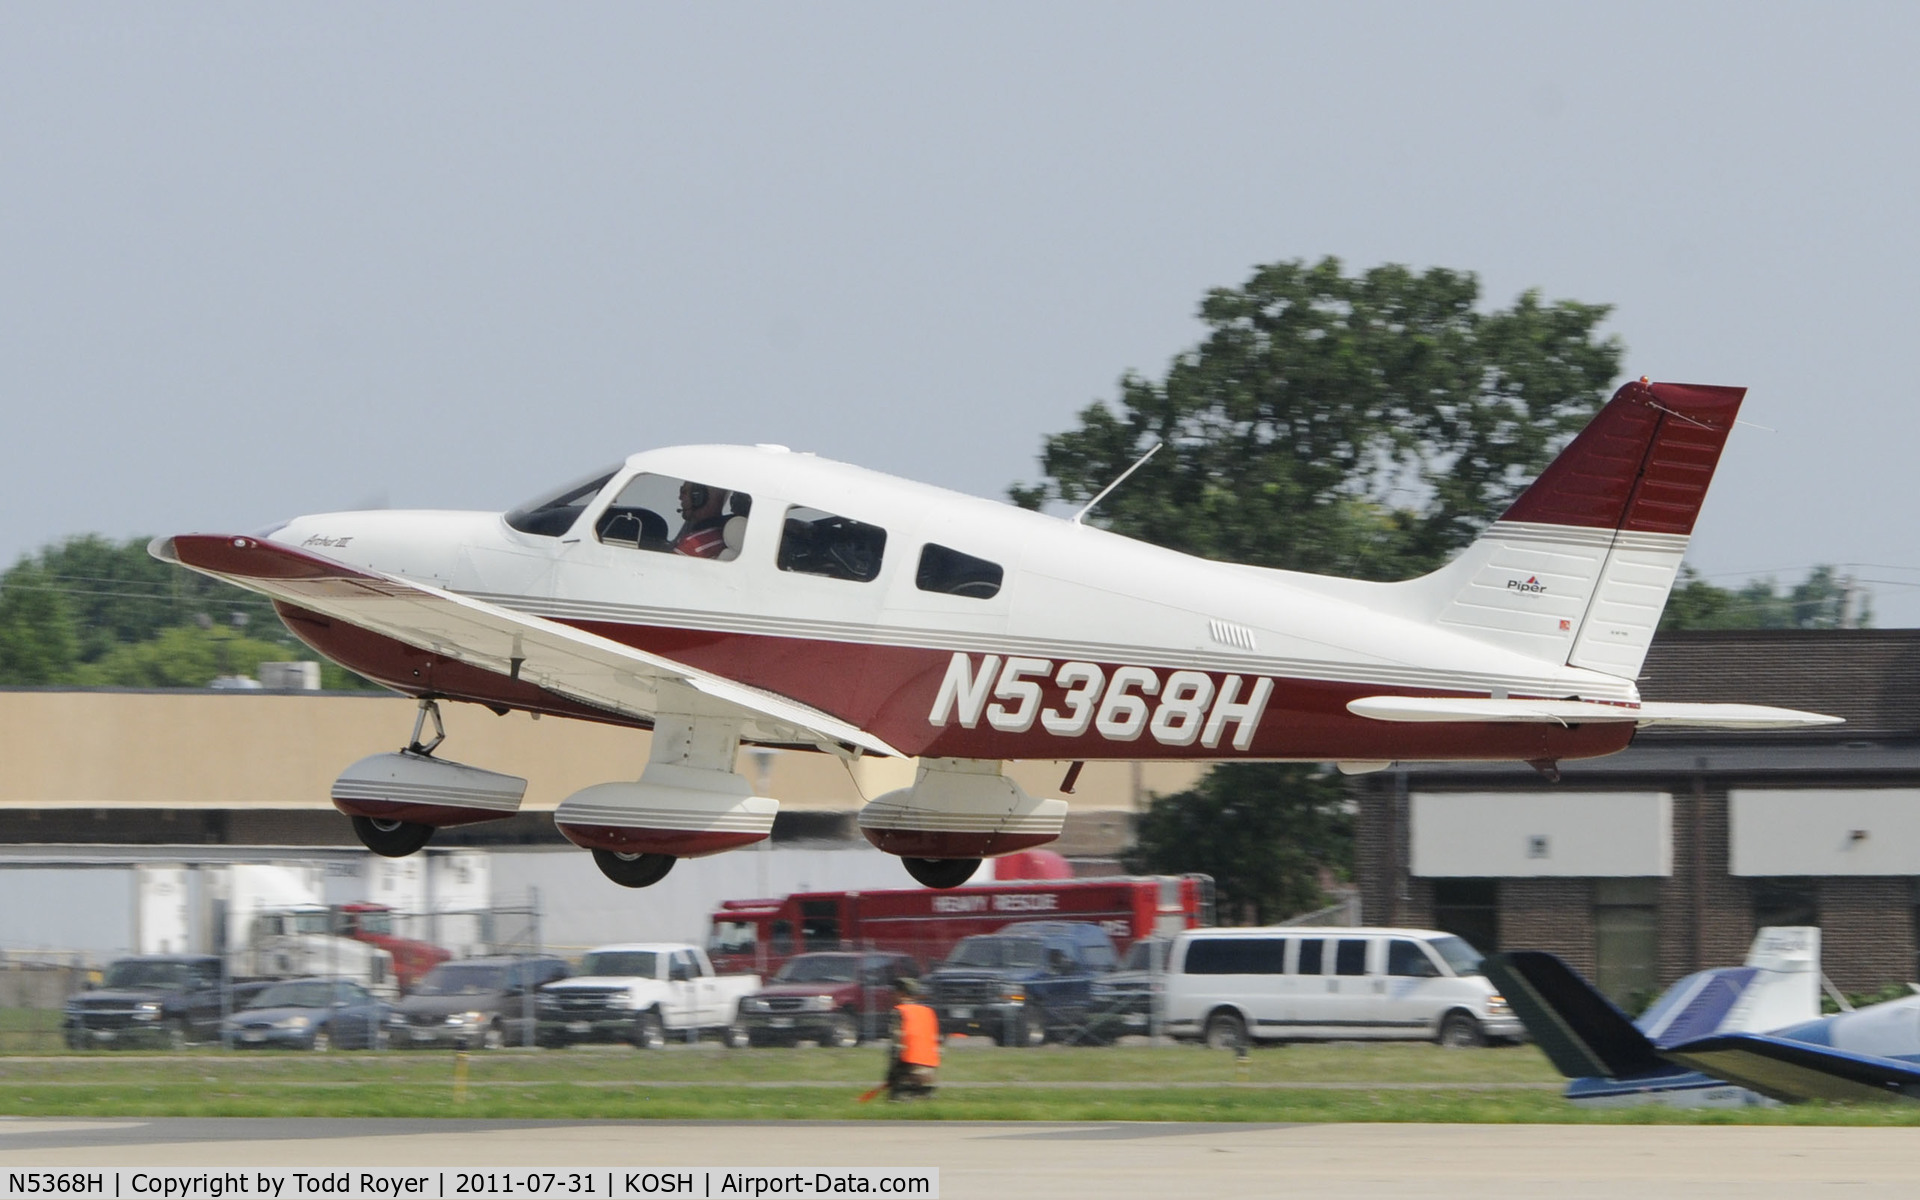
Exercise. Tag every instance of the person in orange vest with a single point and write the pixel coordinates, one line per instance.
(915, 1054)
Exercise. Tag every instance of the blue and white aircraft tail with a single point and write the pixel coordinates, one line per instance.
(1726, 1037)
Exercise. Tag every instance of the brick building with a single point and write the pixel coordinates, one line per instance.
(1663, 859)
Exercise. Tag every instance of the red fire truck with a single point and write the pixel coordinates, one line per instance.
(760, 935)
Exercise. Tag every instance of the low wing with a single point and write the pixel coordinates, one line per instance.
(1577, 712)
(1795, 1071)
(584, 666)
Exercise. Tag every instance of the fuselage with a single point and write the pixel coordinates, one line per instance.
(1086, 645)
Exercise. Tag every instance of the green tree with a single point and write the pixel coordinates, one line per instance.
(38, 644)
(1825, 599)
(93, 612)
(1263, 831)
(1364, 424)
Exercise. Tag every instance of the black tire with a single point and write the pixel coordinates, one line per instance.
(843, 1032)
(1013, 1030)
(1461, 1031)
(391, 839)
(941, 872)
(634, 870)
(1227, 1031)
(76, 1039)
(495, 1037)
(734, 1037)
(321, 1041)
(649, 1033)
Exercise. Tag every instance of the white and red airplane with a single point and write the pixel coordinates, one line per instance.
(722, 595)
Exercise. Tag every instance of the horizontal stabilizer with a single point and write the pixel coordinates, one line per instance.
(1578, 712)
(1796, 1071)
(1579, 1029)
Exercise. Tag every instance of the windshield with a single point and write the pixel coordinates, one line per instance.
(167, 976)
(307, 994)
(732, 937)
(374, 922)
(462, 979)
(1464, 959)
(621, 962)
(554, 513)
(821, 968)
(995, 952)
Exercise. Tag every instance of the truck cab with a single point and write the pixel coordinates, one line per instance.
(643, 992)
(1026, 984)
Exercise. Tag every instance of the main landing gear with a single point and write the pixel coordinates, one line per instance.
(633, 870)
(941, 872)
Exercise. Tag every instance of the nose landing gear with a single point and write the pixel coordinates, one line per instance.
(398, 800)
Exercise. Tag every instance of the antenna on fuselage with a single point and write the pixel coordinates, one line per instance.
(1137, 464)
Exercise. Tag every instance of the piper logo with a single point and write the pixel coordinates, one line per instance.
(1190, 706)
(1532, 584)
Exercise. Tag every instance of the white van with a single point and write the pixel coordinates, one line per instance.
(1291, 983)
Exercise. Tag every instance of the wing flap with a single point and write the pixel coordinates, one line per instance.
(1576, 712)
(584, 666)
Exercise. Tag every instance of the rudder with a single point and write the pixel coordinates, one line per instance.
(1579, 568)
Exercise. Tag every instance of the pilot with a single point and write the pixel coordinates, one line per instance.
(915, 1053)
(705, 511)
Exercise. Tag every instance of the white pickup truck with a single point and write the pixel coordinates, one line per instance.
(644, 993)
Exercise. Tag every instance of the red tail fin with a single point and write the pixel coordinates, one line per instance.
(1642, 465)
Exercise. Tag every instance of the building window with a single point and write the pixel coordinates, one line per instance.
(1785, 902)
(1469, 909)
(1626, 940)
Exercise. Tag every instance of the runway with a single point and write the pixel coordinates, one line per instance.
(1033, 1161)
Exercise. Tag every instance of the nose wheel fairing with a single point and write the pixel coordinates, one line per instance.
(414, 788)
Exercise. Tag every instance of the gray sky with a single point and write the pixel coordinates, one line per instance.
(257, 260)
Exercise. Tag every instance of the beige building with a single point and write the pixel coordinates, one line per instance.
(250, 767)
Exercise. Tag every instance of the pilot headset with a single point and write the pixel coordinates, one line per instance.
(697, 495)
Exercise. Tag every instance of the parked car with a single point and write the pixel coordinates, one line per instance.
(311, 1014)
(642, 992)
(1231, 987)
(1028, 983)
(475, 1003)
(1123, 1001)
(832, 998)
(166, 1000)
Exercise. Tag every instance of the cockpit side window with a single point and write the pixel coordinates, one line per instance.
(957, 574)
(555, 512)
(670, 515)
(820, 543)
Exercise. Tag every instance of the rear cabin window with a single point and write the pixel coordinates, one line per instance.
(1351, 957)
(1236, 956)
(955, 574)
(820, 543)
(553, 513)
(670, 515)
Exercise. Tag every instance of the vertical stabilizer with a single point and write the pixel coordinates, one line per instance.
(1578, 570)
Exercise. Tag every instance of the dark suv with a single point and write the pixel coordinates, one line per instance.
(1028, 983)
(475, 1003)
(835, 999)
(151, 1000)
